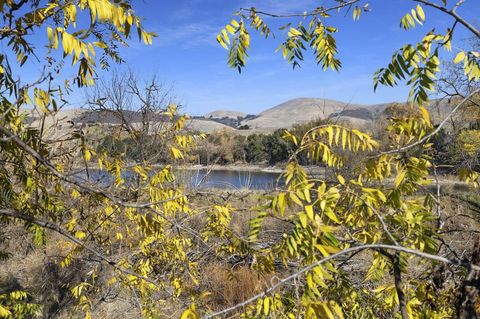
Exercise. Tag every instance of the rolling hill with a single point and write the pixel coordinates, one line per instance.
(303, 110)
(284, 115)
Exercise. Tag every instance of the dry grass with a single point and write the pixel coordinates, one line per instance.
(229, 287)
(37, 270)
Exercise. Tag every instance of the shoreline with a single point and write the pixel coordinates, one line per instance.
(316, 170)
(254, 168)
(234, 167)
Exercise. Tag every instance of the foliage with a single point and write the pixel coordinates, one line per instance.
(328, 220)
(228, 147)
(361, 211)
(39, 188)
(15, 304)
(469, 141)
(271, 148)
(255, 149)
(155, 242)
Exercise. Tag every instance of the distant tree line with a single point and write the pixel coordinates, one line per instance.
(220, 147)
(227, 147)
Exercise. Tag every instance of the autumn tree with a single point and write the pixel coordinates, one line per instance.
(155, 243)
(93, 225)
(392, 222)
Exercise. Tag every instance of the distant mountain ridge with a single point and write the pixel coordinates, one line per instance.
(284, 115)
(303, 110)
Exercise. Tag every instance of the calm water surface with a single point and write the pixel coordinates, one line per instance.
(230, 179)
(204, 179)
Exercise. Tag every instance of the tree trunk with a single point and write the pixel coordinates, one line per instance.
(397, 273)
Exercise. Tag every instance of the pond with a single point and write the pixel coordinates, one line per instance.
(204, 179)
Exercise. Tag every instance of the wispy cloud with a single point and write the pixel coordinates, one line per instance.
(188, 35)
(276, 6)
(188, 10)
(183, 13)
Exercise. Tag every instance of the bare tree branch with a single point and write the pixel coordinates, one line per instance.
(453, 13)
(80, 185)
(315, 12)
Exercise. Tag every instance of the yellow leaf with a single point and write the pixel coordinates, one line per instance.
(266, 306)
(188, 314)
(230, 29)
(88, 155)
(303, 220)
(425, 114)
(222, 43)
(420, 12)
(4, 312)
(295, 199)
(330, 214)
(309, 211)
(75, 193)
(460, 57)
(176, 153)
(399, 179)
(294, 32)
(99, 44)
(80, 234)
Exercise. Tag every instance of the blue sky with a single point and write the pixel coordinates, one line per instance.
(187, 56)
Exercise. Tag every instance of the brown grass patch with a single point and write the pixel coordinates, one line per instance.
(229, 287)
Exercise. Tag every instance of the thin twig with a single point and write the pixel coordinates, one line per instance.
(379, 217)
(452, 13)
(315, 12)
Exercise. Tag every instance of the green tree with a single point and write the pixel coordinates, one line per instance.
(255, 149)
(277, 148)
